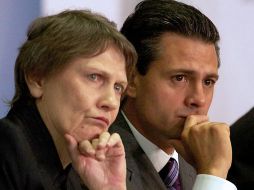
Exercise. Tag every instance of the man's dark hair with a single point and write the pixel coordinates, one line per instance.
(152, 18)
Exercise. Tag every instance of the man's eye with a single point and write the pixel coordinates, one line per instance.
(179, 77)
(209, 82)
(93, 77)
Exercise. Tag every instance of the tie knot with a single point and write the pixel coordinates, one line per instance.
(169, 174)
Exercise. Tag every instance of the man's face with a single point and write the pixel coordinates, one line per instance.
(83, 99)
(178, 84)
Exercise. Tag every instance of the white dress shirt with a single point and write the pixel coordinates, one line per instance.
(159, 159)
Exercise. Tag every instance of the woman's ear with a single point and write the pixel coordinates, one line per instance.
(34, 84)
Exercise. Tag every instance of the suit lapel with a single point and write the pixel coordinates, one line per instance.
(187, 174)
(141, 175)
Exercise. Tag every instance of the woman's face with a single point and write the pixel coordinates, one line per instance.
(82, 99)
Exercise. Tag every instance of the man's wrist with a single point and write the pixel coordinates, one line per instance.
(222, 173)
(210, 182)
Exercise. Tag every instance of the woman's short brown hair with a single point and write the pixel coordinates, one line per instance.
(53, 41)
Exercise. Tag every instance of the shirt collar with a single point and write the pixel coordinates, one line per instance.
(158, 157)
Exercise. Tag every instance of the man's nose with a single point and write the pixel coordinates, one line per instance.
(196, 96)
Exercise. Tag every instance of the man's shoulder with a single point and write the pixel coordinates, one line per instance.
(243, 127)
(246, 120)
(242, 169)
(241, 135)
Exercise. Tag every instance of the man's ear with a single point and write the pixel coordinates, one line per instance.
(132, 85)
(35, 85)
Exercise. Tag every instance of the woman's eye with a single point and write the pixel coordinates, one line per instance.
(119, 88)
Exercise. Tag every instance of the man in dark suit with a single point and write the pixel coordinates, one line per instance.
(242, 137)
(168, 99)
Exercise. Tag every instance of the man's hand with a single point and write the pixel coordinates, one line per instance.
(206, 145)
(100, 163)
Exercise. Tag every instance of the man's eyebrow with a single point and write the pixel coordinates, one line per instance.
(192, 72)
(212, 75)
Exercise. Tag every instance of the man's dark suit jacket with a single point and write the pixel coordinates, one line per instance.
(28, 157)
(241, 172)
(141, 174)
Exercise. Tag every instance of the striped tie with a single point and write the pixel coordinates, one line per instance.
(170, 175)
